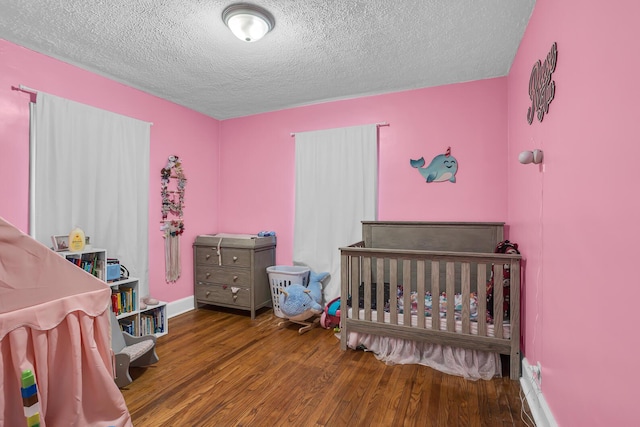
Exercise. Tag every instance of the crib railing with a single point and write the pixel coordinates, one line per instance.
(366, 272)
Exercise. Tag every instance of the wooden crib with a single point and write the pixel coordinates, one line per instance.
(432, 257)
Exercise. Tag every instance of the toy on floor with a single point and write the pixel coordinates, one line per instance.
(299, 303)
(29, 391)
(330, 317)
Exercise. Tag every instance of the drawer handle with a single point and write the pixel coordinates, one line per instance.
(207, 293)
(207, 256)
(235, 278)
(235, 258)
(208, 274)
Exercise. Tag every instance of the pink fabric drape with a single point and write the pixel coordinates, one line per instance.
(54, 322)
(470, 364)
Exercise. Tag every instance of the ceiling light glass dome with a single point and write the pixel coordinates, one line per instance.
(248, 22)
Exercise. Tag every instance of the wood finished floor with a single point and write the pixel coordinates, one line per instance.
(219, 368)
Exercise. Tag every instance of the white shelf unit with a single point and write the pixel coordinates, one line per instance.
(94, 261)
(150, 320)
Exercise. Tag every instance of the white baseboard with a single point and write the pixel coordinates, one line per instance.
(183, 305)
(535, 399)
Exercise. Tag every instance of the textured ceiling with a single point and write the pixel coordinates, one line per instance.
(319, 50)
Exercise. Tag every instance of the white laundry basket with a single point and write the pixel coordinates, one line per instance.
(282, 276)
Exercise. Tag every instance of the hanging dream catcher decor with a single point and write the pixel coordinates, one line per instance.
(172, 221)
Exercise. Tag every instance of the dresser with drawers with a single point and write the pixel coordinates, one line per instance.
(230, 270)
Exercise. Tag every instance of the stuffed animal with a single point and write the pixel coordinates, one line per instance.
(330, 317)
(504, 247)
(315, 285)
(298, 302)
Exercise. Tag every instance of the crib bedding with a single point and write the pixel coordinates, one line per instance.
(467, 363)
(428, 304)
(464, 362)
(455, 335)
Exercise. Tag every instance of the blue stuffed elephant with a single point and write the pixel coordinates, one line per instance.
(298, 302)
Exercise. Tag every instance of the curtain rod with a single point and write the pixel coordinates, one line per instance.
(27, 89)
(377, 124)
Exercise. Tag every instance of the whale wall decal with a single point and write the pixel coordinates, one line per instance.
(443, 167)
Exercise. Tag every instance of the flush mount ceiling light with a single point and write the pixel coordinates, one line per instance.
(248, 22)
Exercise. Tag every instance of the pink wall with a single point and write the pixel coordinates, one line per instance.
(577, 221)
(257, 157)
(175, 130)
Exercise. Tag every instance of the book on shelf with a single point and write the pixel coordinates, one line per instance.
(127, 325)
(123, 300)
(88, 262)
(159, 321)
(152, 321)
(100, 269)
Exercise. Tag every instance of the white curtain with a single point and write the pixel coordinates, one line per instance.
(91, 170)
(336, 189)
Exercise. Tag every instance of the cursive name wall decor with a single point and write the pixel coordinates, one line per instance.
(541, 88)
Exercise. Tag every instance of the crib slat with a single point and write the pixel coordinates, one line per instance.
(514, 319)
(451, 300)
(393, 290)
(435, 295)
(366, 269)
(420, 291)
(406, 290)
(345, 290)
(356, 269)
(498, 300)
(482, 300)
(465, 279)
(380, 302)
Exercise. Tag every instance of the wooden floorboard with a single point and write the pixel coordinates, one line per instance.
(219, 368)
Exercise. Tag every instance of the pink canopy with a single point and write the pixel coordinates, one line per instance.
(54, 322)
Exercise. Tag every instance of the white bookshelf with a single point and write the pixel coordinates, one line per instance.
(126, 299)
(126, 302)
